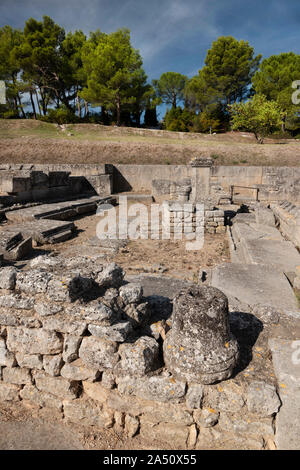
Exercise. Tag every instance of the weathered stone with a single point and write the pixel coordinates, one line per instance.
(33, 281)
(96, 311)
(140, 357)
(71, 347)
(85, 412)
(31, 361)
(119, 419)
(8, 278)
(131, 293)
(117, 332)
(9, 392)
(194, 396)
(16, 375)
(7, 358)
(53, 364)
(98, 353)
(266, 313)
(111, 276)
(29, 321)
(262, 399)
(154, 411)
(96, 391)
(78, 371)
(45, 309)
(132, 425)
(138, 314)
(285, 357)
(31, 341)
(16, 301)
(160, 388)
(226, 397)
(9, 319)
(246, 425)
(207, 417)
(199, 347)
(192, 439)
(108, 379)
(172, 434)
(57, 386)
(32, 394)
(64, 325)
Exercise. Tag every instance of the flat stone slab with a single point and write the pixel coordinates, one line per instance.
(287, 370)
(244, 231)
(281, 255)
(43, 230)
(255, 284)
(14, 245)
(62, 211)
(159, 285)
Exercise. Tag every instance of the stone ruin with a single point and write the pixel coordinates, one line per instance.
(209, 368)
(78, 339)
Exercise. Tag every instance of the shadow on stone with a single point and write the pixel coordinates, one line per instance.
(246, 328)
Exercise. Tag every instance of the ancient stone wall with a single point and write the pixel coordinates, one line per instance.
(77, 339)
(183, 219)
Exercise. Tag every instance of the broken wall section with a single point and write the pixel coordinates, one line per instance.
(75, 338)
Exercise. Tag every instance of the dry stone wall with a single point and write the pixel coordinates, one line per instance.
(90, 346)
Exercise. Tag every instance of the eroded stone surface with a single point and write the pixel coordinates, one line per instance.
(199, 347)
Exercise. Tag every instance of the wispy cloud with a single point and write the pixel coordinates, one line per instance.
(171, 34)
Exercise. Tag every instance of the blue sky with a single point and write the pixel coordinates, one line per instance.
(172, 35)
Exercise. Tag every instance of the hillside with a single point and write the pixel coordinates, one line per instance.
(29, 141)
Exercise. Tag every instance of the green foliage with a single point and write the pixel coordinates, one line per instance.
(274, 80)
(178, 119)
(258, 115)
(170, 87)
(62, 115)
(229, 67)
(115, 77)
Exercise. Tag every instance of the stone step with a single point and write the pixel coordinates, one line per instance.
(61, 211)
(255, 284)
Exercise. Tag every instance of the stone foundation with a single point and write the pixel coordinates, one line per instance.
(75, 338)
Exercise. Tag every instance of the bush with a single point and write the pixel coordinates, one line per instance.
(179, 120)
(61, 115)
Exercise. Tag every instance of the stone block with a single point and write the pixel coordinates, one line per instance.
(98, 353)
(8, 278)
(57, 386)
(87, 413)
(16, 375)
(77, 370)
(32, 341)
(9, 392)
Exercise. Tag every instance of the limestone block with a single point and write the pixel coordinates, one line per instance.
(262, 399)
(8, 278)
(33, 341)
(98, 353)
(140, 357)
(57, 386)
(16, 375)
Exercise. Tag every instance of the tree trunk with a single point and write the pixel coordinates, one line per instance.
(118, 105)
(38, 101)
(283, 123)
(78, 105)
(32, 104)
(174, 100)
(21, 107)
(86, 108)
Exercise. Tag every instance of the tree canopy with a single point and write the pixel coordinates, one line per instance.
(170, 87)
(54, 76)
